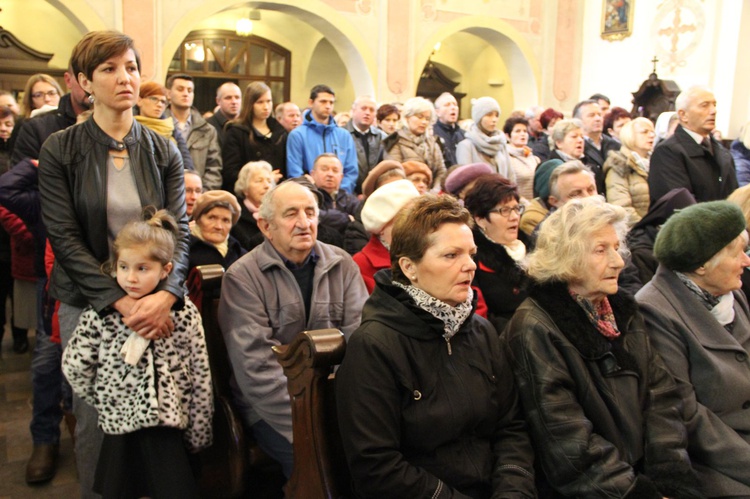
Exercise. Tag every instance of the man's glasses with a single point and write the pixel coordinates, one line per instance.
(48, 93)
(505, 210)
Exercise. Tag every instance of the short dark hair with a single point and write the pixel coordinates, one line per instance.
(96, 47)
(577, 108)
(599, 97)
(6, 111)
(415, 223)
(178, 76)
(386, 110)
(513, 121)
(321, 89)
(613, 115)
(488, 192)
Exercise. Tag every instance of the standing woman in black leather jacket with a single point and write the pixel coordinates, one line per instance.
(93, 179)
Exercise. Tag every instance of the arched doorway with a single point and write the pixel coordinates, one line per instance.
(487, 57)
(212, 57)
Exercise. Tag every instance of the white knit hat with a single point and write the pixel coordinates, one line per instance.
(483, 106)
(383, 204)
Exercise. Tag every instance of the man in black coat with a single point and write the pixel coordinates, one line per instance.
(692, 158)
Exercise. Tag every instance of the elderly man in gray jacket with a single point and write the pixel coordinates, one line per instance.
(288, 284)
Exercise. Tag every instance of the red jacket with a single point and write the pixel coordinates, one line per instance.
(373, 257)
(21, 246)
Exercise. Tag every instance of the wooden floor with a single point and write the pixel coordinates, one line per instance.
(15, 439)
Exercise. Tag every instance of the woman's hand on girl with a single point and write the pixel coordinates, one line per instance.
(149, 316)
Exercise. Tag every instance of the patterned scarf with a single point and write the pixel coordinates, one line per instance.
(600, 314)
(721, 307)
(452, 317)
(421, 146)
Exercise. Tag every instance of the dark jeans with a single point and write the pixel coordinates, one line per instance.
(275, 445)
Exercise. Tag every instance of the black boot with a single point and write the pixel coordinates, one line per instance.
(20, 340)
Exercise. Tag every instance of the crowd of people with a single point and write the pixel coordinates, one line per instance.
(544, 307)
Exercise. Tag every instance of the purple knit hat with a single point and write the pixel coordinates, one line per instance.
(462, 175)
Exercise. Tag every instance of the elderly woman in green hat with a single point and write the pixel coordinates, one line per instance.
(699, 323)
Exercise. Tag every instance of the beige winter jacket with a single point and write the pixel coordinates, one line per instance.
(627, 184)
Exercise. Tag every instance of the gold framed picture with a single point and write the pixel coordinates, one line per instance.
(617, 19)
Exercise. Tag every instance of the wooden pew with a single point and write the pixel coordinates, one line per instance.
(234, 461)
(320, 470)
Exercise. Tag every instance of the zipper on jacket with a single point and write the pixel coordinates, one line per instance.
(448, 342)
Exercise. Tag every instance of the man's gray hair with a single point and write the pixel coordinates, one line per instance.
(267, 210)
(567, 168)
(682, 103)
(444, 97)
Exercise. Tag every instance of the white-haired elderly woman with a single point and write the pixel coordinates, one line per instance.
(484, 142)
(254, 180)
(413, 142)
(566, 140)
(699, 322)
(603, 411)
(626, 170)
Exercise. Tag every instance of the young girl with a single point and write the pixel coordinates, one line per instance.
(151, 395)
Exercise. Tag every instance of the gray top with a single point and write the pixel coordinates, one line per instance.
(123, 202)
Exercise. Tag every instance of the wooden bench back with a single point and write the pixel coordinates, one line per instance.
(320, 470)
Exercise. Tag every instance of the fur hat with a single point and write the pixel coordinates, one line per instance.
(383, 204)
(463, 175)
(483, 106)
(211, 199)
(692, 236)
(368, 186)
(417, 167)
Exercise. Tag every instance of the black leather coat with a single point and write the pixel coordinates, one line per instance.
(605, 416)
(73, 188)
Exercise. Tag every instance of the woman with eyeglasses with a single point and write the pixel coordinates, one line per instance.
(40, 90)
(152, 102)
(494, 204)
(413, 142)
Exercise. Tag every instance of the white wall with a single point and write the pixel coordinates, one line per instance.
(707, 54)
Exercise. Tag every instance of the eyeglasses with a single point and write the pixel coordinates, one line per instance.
(505, 210)
(157, 100)
(48, 93)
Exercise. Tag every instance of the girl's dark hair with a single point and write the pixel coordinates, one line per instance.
(488, 192)
(513, 121)
(386, 110)
(156, 230)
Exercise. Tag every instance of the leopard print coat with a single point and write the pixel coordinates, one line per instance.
(169, 386)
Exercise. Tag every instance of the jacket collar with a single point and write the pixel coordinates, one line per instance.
(376, 253)
(702, 324)
(98, 135)
(691, 147)
(573, 323)
(267, 257)
(392, 306)
(309, 121)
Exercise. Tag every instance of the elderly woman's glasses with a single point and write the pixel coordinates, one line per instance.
(48, 93)
(506, 210)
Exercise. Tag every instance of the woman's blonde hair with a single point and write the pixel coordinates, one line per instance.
(247, 172)
(627, 132)
(27, 104)
(741, 197)
(565, 238)
(561, 129)
(418, 105)
(156, 231)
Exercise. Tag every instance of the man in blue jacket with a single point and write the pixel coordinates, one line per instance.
(319, 134)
